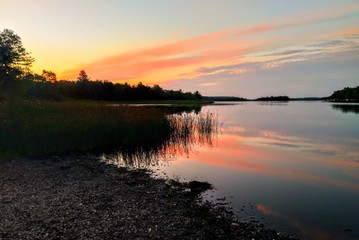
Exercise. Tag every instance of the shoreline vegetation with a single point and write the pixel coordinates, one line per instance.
(349, 95)
(43, 128)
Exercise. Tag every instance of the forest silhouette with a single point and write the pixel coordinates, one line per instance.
(17, 80)
(345, 95)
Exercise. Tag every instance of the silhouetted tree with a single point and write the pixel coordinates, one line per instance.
(15, 61)
(49, 76)
(83, 77)
(158, 92)
(197, 96)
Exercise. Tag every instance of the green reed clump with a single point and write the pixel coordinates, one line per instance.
(186, 130)
(207, 123)
(37, 128)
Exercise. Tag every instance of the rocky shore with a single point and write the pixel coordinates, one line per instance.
(81, 198)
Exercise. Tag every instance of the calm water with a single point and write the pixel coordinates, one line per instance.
(292, 166)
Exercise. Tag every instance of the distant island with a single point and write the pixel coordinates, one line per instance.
(350, 95)
(274, 98)
(269, 99)
(345, 95)
(240, 99)
(224, 99)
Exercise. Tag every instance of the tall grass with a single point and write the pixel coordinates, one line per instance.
(45, 128)
(187, 130)
(135, 135)
(190, 127)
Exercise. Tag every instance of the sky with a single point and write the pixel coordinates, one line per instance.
(244, 48)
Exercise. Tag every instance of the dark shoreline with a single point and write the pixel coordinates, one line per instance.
(81, 198)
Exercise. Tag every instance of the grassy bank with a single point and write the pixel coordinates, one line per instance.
(33, 128)
(41, 128)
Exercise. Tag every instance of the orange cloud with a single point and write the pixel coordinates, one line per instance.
(221, 46)
(209, 84)
(174, 60)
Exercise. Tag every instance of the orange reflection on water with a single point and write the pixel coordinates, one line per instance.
(231, 155)
(234, 153)
(306, 231)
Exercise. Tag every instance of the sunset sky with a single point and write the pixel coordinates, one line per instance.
(219, 47)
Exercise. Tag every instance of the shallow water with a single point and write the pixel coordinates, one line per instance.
(292, 166)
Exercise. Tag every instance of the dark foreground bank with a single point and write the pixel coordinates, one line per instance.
(80, 198)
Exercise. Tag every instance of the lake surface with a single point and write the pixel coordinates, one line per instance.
(292, 166)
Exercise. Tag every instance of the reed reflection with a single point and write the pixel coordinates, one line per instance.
(186, 131)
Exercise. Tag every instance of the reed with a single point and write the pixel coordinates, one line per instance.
(186, 131)
(191, 127)
(136, 135)
(45, 128)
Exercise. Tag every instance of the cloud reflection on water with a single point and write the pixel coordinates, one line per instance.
(309, 232)
(302, 160)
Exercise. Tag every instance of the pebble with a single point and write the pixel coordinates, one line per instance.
(64, 199)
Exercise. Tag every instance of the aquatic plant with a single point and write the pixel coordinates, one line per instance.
(186, 131)
(39, 128)
(135, 135)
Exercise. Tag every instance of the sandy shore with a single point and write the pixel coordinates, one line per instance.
(80, 198)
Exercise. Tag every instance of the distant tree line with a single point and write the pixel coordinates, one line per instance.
(92, 90)
(239, 99)
(225, 99)
(16, 79)
(345, 95)
(274, 98)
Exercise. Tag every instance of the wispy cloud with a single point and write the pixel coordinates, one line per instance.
(278, 58)
(191, 52)
(208, 84)
(233, 51)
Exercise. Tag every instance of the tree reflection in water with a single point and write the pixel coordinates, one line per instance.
(347, 108)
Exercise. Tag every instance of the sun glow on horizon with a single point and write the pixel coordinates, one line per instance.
(238, 47)
(192, 50)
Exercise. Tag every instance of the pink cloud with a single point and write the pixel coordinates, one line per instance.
(194, 52)
(171, 60)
